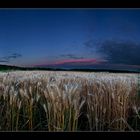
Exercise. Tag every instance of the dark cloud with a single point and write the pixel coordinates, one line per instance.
(91, 47)
(4, 61)
(121, 52)
(14, 55)
(7, 59)
(71, 56)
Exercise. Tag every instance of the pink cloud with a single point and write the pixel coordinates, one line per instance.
(89, 61)
(74, 61)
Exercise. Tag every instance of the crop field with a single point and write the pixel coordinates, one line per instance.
(69, 101)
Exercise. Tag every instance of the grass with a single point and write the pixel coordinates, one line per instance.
(68, 101)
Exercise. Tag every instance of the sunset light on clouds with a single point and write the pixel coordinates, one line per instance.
(74, 61)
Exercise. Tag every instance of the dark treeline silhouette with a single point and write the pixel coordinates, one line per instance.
(9, 68)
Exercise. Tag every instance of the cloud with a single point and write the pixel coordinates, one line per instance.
(91, 47)
(115, 51)
(71, 56)
(76, 62)
(4, 61)
(121, 52)
(68, 61)
(7, 59)
(14, 56)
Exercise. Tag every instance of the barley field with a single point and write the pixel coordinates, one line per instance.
(69, 101)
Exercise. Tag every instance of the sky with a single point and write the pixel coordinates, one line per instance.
(70, 38)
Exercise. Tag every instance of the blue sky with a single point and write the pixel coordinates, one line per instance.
(71, 37)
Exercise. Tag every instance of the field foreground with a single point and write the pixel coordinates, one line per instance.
(69, 101)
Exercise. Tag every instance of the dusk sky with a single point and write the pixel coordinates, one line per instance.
(89, 38)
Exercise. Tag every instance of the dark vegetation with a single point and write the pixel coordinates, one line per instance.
(10, 68)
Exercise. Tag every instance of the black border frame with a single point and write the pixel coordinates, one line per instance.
(69, 4)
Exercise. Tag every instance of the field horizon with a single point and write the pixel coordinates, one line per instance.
(84, 69)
